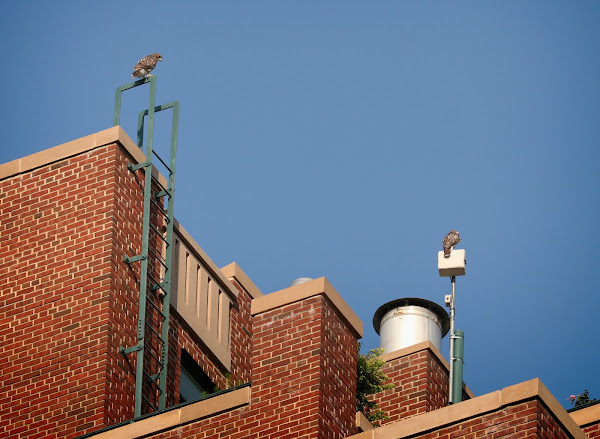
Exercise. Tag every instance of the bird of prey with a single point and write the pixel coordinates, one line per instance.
(451, 239)
(146, 65)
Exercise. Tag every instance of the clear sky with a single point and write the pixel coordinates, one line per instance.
(345, 139)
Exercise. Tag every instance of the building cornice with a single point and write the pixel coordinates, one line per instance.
(491, 402)
(320, 286)
(234, 271)
(176, 417)
(586, 416)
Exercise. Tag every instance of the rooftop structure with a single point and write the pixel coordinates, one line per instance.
(241, 364)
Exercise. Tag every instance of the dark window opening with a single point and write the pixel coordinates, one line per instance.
(194, 383)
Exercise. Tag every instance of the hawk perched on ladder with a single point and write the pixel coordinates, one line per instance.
(451, 239)
(146, 65)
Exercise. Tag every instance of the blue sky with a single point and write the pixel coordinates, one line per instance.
(345, 139)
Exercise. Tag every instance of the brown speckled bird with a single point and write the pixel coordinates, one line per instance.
(451, 239)
(146, 65)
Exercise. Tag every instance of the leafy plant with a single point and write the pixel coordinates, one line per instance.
(371, 380)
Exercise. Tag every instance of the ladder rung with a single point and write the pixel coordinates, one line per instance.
(154, 381)
(160, 235)
(155, 377)
(161, 260)
(153, 356)
(159, 310)
(160, 209)
(149, 403)
(159, 286)
(161, 160)
(156, 180)
(156, 283)
(155, 333)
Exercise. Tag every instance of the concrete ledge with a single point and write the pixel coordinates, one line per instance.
(180, 416)
(304, 291)
(362, 423)
(491, 402)
(421, 347)
(233, 270)
(73, 148)
(586, 416)
(69, 149)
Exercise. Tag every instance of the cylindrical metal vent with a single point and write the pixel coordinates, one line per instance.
(300, 280)
(405, 322)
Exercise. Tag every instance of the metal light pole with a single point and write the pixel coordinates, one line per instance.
(451, 376)
(453, 266)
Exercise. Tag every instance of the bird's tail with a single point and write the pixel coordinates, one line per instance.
(447, 252)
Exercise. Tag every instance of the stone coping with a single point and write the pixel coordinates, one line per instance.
(75, 147)
(102, 138)
(304, 291)
(210, 265)
(586, 416)
(362, 423)
(421, 347)
(109, 136)
(180, 416)
(491, 402)
(233, 270)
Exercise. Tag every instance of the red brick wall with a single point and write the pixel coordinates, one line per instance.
(241, 337)
(286, 369)
(122, 299)
(69, 301)
(339, 353)
(529, 419)
(181, 336)
(548, 426)
(592, 431)
(421, 385)
(55, 266)
(303, 379)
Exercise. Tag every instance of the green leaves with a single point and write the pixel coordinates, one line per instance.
(371, 380)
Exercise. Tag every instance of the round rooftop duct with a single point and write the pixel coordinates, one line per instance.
(300, 280)
(406, 322)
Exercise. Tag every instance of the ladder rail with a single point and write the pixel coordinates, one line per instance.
(159, 379)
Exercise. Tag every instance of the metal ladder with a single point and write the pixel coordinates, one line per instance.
(155, 275)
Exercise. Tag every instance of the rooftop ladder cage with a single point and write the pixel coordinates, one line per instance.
(152, 344)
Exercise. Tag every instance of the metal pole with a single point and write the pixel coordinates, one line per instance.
(451, 377)
(139, 374)
(457, 365)
(168, 256)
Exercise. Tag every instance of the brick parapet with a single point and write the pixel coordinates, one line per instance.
(55, 255)
(304, 364)
(303, 376)
(68, 217)
(525, 410)
(588, 419)
(420, 376)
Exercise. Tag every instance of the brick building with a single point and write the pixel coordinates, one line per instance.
(241, 364)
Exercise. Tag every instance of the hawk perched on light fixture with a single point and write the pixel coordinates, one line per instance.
(451, 239)
(146, 65)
